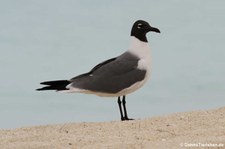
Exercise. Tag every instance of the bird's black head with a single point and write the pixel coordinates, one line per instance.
(140, 28)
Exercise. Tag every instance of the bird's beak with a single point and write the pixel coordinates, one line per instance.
(153, 29)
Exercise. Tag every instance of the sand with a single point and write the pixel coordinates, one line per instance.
(198, 129)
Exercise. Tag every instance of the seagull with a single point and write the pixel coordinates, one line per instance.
(115, 77)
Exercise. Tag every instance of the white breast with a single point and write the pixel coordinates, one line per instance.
(142, 50)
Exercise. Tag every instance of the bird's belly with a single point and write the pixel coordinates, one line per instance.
(135, 86)
(128, 90)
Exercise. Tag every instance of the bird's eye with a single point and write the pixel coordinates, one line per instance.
(139, 25)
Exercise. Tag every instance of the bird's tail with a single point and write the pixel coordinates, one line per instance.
(57, 85)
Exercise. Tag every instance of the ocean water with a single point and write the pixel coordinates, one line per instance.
(51, 39)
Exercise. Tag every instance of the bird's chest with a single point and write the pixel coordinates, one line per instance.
(144, 64)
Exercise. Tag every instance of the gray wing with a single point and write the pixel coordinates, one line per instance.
(111, 76)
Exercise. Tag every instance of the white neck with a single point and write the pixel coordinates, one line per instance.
(139, 48)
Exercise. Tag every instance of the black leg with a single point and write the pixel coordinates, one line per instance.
(125, 110)
(121, 112)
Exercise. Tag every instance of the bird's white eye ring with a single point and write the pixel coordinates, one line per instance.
(139, 25)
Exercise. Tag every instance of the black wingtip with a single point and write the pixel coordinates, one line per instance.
(47, 83)
(44, 88)
(39, 89)
(54, 85)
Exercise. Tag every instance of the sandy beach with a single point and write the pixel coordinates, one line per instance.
(197, 129)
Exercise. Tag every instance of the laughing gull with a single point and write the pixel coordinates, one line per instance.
(117, 76)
